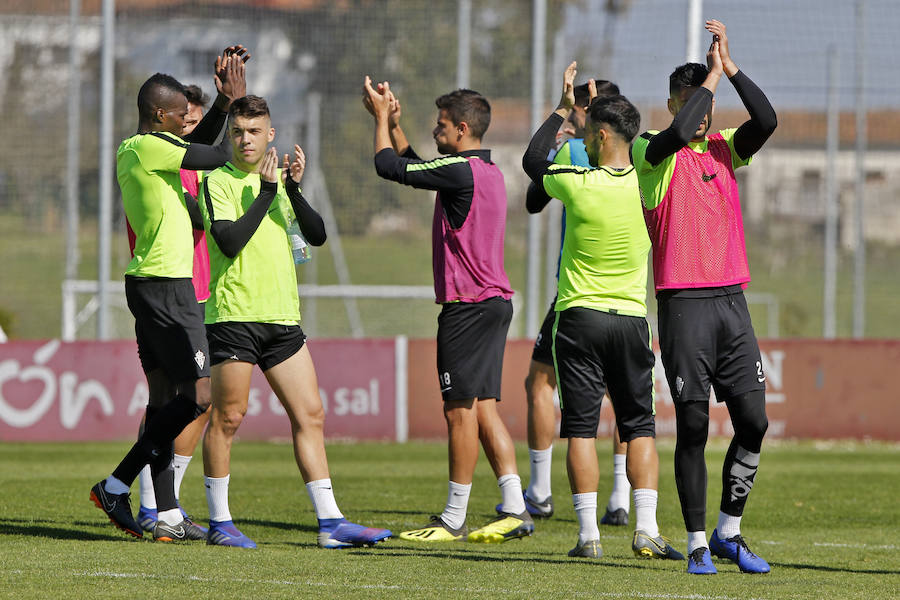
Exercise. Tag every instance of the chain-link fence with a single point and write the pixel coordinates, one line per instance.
(309, 60)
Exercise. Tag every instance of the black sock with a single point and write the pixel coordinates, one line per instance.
(159, 433)
(164, 481)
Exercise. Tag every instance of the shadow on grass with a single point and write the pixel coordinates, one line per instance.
(470, 518)
(47, 529)
(828, 569)
(279, 525)
(526, 557)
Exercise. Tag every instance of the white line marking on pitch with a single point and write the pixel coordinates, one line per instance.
(838, 545)
(592, 593)
(861, 546)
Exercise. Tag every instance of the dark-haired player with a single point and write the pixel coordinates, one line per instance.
(693, 214)
(252, 318)
(187, 440)
(601, 339)
(169, 328)
(541, 380)
(471, 285)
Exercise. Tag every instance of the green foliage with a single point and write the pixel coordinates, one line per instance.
(806, 516)
(7, 319)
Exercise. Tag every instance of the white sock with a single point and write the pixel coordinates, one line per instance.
(217, 498)
(728, 526)
(539, 484)
(696, 539)
(322, 496)
(645, 506)
(114, 485)
(454, 513)
(180, 464)
(618, 498)
(170, 517)
(145, 484)
(586, 511)
(511, 489)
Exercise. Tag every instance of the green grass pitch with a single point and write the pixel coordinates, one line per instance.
(824, 515)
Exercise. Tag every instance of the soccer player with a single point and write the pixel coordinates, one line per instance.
(252, 318)
(693, 214)
(601, 339)
(471, 285)
(169, 328)
(187, 439)
(541, 380)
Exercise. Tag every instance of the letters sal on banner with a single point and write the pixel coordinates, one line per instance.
(51, 390)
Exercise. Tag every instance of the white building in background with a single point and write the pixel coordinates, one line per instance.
(34, 57)
(790, 184)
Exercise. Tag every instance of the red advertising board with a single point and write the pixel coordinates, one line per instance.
(814, 389)
(56, 391)
(50, 390)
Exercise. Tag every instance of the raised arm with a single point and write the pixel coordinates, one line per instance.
(689, 117)
(398, 138)
(231, 76)
(535, 160)
(752, 134)
(200, 157)
(230, 79)
(378, 103)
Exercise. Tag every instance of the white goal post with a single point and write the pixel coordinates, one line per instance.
(74, 315)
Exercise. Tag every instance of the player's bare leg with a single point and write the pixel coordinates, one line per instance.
(540, 385)
(513, 521)
(462, 453)
(539, 390)
(295, 384)
(643, 473)
(230, 393)
(462, 439)
(584, 475)
(495, 438)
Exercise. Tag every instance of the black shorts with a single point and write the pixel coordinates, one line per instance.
(168, 325)
(265, 344)
(706, 337)
(543, 345)
(596, 351)
(470, 343)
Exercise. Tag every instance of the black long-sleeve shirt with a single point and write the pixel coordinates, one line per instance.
(535, 161)
(450, 175)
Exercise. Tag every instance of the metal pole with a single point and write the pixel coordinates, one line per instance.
(859, 271)
(554, 209)
(538, 72)
(323, 203)
(401, 384)
(693, 52)
(72, 153)
(314, 159)
(107, 157)
(464, 39)
(829, 322)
